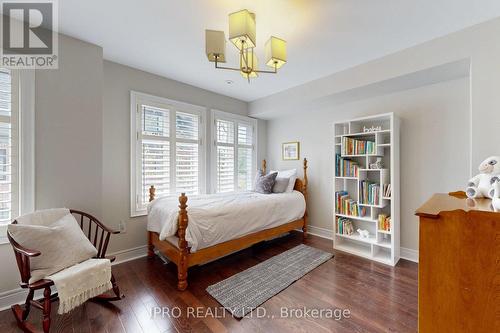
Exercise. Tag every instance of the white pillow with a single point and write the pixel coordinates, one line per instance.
(292, 177)
(280, 185)
(62, 244)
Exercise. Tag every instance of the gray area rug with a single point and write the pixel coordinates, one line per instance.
(243, 292)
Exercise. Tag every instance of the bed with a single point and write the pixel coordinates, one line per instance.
(221, 223)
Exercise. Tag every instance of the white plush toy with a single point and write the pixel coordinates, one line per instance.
(496, 196)
(363, 233)
(481, 186)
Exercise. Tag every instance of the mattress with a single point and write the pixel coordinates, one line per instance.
(217, 218)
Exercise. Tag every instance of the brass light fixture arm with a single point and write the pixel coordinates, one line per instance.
(275, 71)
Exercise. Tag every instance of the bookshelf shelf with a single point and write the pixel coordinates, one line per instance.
(384, 243)
(373, 206)
(369, 240)
(355, 248)
(362, 133)
(370, 184)
(363, 155)
(359, 218)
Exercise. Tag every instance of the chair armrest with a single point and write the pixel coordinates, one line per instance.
(21, 249)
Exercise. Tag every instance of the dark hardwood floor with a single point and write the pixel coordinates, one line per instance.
(380, 298)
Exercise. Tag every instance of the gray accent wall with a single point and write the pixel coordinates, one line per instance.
(119, 80)
(82, 124)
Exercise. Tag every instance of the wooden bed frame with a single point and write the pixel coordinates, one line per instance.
(183, 258)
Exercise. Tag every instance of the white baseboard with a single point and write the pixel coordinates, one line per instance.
(130, 254)
(11, 297)
(18, 295)
(408, 254)
(320, 232)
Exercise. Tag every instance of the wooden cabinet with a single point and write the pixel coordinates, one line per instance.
(459, 265)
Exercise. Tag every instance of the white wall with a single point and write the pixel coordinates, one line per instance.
(119, 80)
(434, 147)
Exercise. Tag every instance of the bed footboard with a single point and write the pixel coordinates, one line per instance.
(181, 255)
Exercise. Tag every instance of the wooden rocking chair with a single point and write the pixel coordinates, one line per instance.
(97, 233)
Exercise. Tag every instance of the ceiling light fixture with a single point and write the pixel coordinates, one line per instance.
(242, 35)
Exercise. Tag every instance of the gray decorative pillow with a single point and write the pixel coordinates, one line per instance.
(264, 183)
(280, 185)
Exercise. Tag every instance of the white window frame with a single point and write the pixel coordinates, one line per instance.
(216, 114)
(139, 98)
(23, 99)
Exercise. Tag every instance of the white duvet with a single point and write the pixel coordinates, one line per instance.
(217, 218)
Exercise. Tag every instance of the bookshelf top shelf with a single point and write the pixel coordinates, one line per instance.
(363, 155)
(362, 133)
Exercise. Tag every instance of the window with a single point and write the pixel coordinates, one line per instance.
(16, 145)
(167, 146)
(8, 147)
(234, 154)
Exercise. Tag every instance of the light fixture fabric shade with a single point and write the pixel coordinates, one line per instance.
(242, 29)
(275, 52)
(215, 44)
(248, 69)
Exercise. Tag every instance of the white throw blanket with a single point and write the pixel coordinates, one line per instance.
(81, 282)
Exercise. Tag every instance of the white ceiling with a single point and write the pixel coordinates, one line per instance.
(166, 37)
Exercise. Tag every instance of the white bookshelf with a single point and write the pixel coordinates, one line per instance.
(382, 246)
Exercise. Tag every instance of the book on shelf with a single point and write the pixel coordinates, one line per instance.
(345, 167)
(345, 205)
(357, 147)
(344, 226)
(384, 222)
(386, 190)
(369, 193)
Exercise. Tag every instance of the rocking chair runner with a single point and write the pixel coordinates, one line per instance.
(97, 233)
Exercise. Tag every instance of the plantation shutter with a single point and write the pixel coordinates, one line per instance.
(187, 153)
(234, 154)
(245, 155)
(225, 155)
(155, 151)
(9, 165)
(169, 156)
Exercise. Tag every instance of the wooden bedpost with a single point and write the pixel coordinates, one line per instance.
(151, 248)
(152, 191)
(264, 166)
(182, 267)
(304, 191)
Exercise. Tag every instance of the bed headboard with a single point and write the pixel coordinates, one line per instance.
(300, 183)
